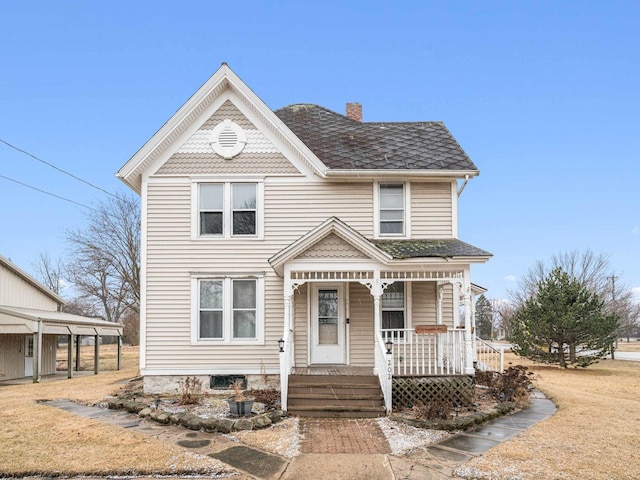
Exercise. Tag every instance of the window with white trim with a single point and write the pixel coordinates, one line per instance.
(229, 209)
(391, 209)
(228, 309)
(392, 305)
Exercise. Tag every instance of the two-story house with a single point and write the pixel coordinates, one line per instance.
(300, 241)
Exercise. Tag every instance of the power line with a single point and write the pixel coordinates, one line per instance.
(48, 193)
(56, 168)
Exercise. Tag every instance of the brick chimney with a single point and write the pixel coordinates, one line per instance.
(354, 111)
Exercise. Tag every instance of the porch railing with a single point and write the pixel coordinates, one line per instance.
(384, 370)
(426, 353)
(488, 357)
(286, 364)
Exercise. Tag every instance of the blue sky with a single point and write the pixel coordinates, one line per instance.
(544, 97)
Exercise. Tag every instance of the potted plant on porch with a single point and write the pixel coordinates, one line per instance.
(240, 405)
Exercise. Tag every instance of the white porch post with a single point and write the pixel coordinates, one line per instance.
(37, 351)
(468, 342)
(286, 357)
(439, 321)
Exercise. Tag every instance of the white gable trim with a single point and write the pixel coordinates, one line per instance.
(337, 227)
(186, 116)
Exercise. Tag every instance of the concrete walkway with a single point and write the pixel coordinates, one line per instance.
(333, 448)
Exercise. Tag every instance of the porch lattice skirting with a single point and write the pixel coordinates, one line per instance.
(409, 391)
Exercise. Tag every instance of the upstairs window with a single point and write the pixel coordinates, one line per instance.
(227, 209)
(212, 209)
(244, 208)
(392, 209)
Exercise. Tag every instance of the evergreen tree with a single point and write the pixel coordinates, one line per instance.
(484, 318)
(563, 322)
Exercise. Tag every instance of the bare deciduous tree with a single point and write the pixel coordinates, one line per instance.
(49, 272)
(104, 263)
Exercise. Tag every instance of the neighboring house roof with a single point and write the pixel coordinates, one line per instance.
(30, 280)
(25, 320)
(441, 248)
(345, 144)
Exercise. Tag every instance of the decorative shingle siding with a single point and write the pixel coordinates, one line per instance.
(213, 164)
(332, 247)
(196, 156)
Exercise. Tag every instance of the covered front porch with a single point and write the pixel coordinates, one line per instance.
(381, 322)
(398, 307)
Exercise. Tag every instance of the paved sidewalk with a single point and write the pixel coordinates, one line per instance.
(349, 435)
(334, 448)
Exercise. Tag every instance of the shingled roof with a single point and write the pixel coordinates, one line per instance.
(441, 248)
(345, 144)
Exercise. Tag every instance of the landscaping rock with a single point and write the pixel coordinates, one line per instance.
(262, 421)
(145, 412)
(210, 425)
(275, 416)
(243, 424)
(225, 425)
(163, 418)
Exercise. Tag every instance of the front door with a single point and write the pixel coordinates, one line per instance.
(28, 356)
(327, 325)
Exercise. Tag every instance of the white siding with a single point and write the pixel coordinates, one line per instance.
(12, 356)
(301, 326)
(15, 291)
(361, 326)
(423, 303)
(431, 210)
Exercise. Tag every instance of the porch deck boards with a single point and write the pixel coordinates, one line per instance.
(333, 370)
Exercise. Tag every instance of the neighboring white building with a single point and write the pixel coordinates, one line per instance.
(30, 322)
(304, 227)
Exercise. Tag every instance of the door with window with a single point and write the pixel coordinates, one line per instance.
(328, 330)
(28, 355)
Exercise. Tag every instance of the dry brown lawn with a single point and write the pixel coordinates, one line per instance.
(41, 440)
(594, 434)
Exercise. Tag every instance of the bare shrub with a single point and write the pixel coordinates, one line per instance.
(190, 391)
(511, 386)
(436, 410)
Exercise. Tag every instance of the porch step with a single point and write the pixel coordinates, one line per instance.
(335, 396)
(329, 411)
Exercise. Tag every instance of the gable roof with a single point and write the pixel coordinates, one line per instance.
(383, 251)
(223, 79)
(345, 144)
(9, 265)
(332, 225)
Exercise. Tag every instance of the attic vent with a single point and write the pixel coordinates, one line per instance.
(228, 139)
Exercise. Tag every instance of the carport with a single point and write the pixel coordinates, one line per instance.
(38, 327)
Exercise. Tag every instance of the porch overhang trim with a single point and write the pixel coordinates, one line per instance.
(335, 226)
